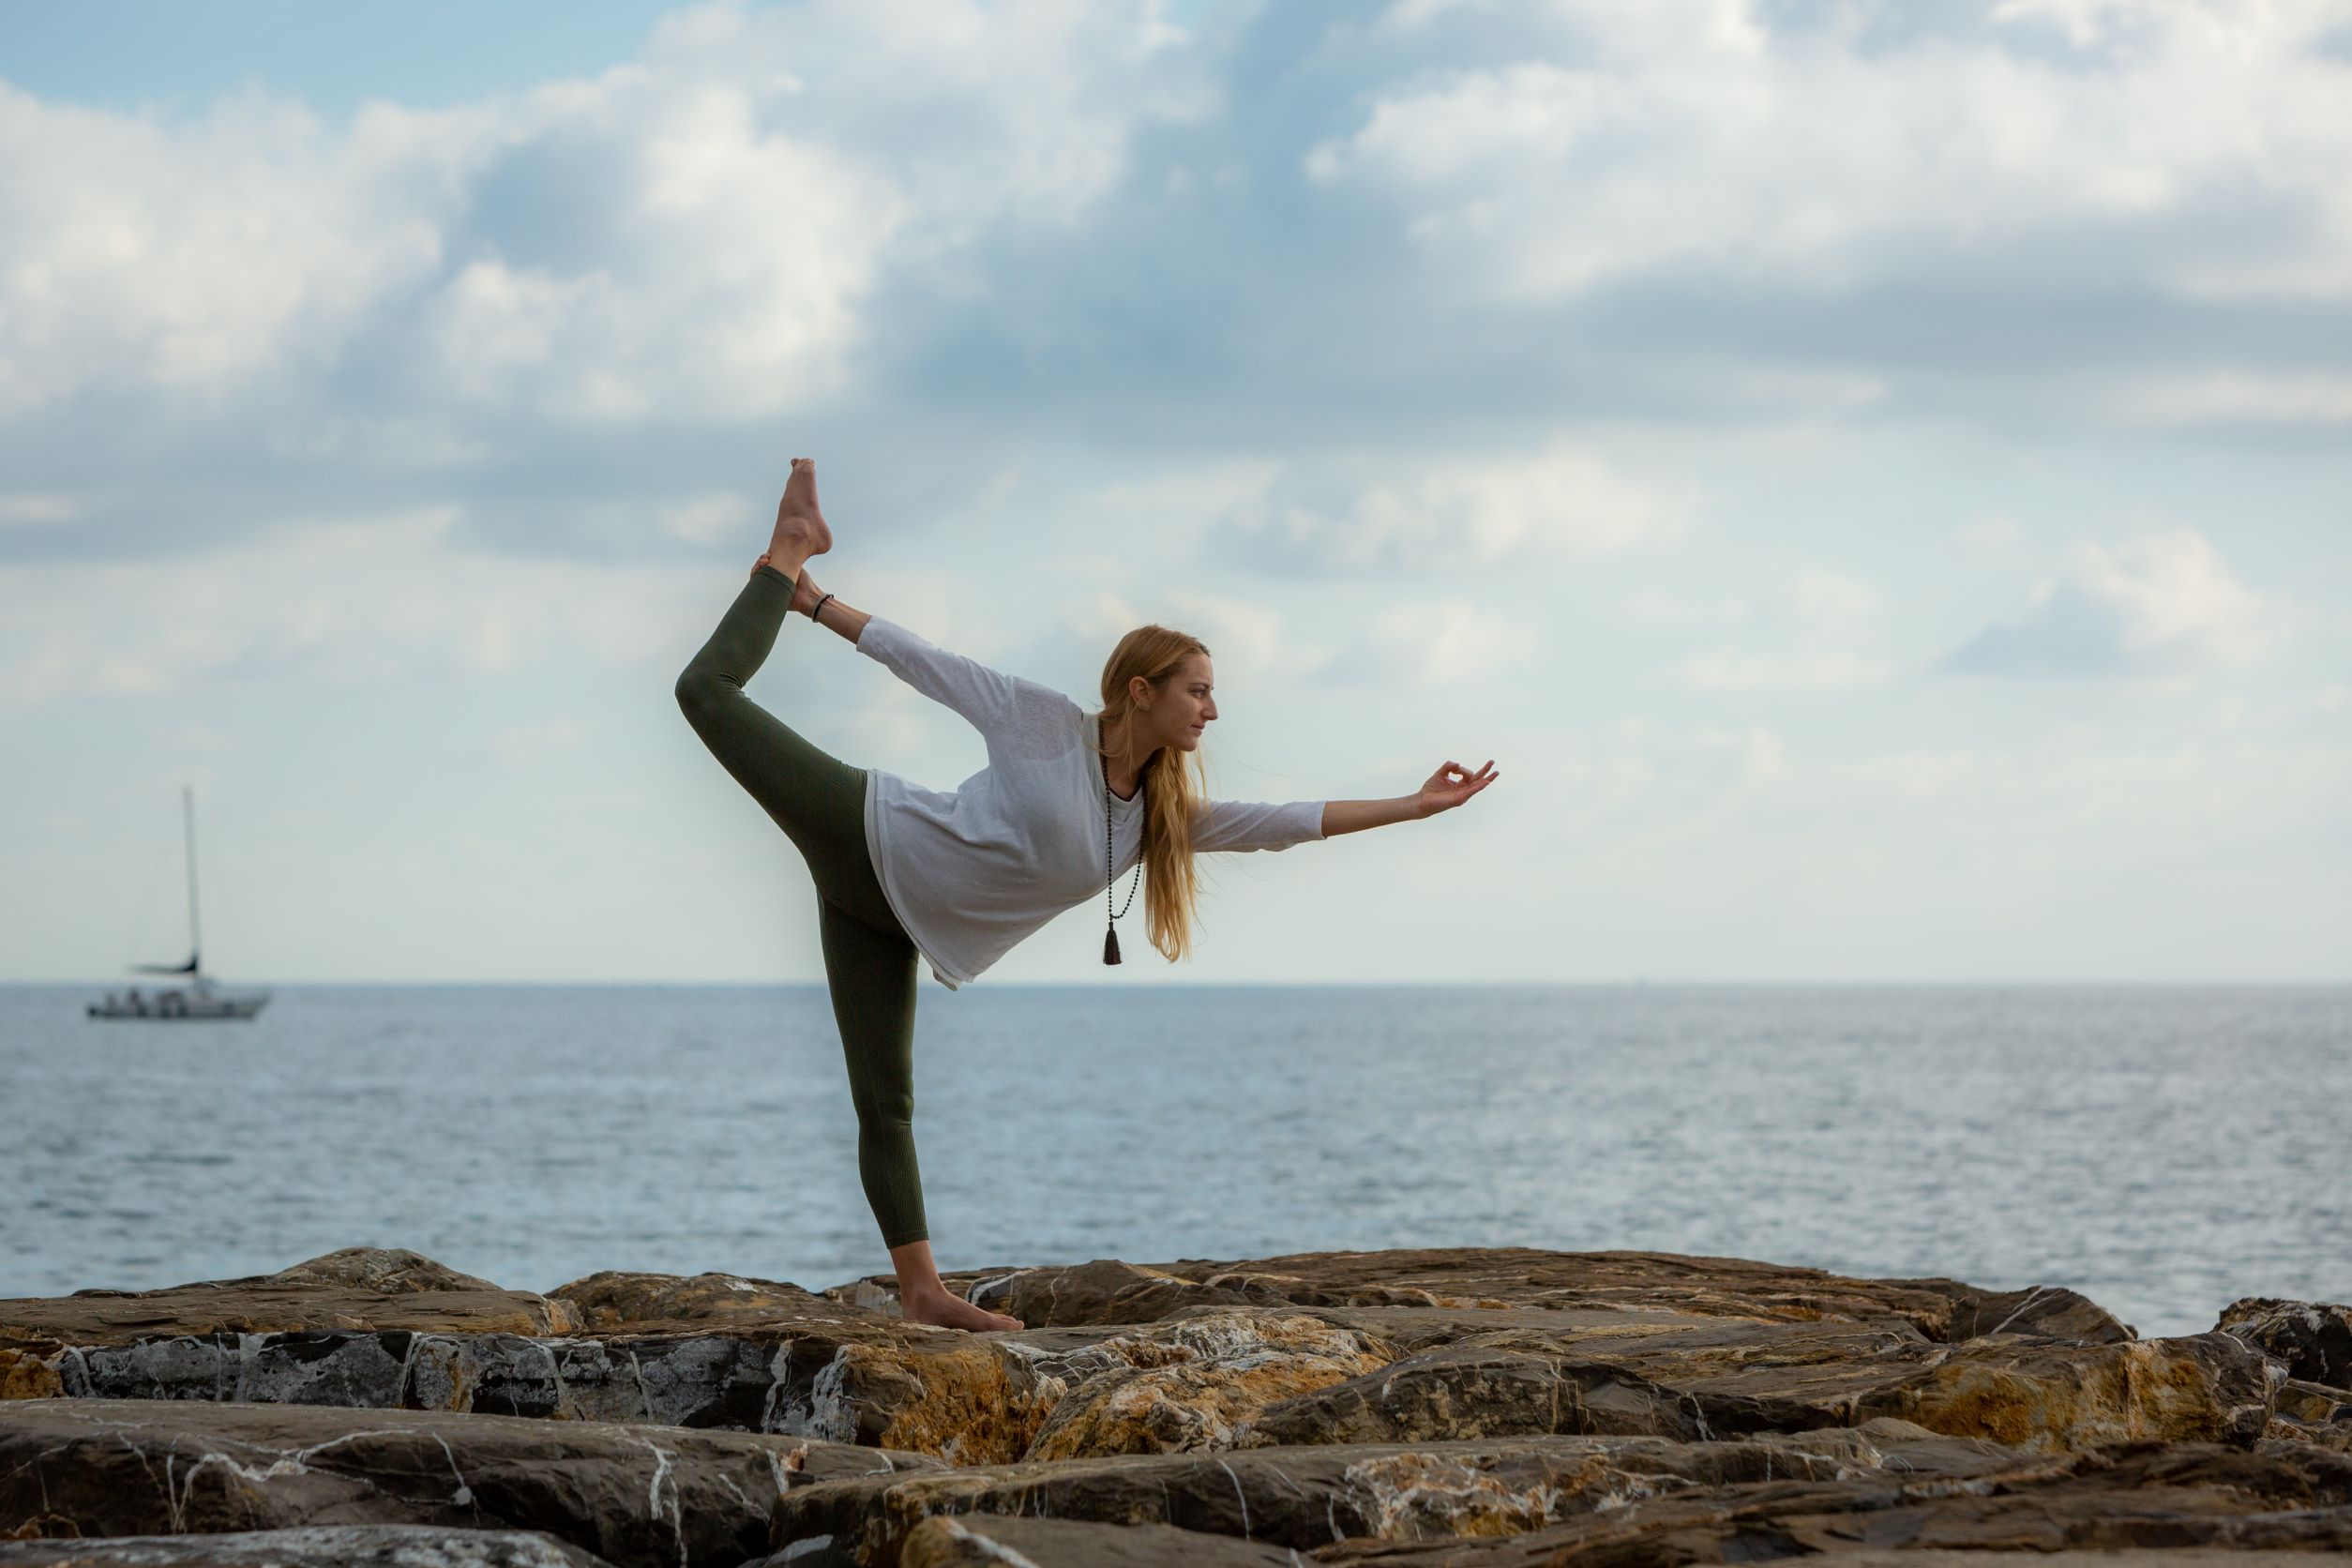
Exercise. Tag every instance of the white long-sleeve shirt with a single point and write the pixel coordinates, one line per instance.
(970, 873)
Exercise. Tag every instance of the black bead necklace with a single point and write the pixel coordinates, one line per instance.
(1110, 932)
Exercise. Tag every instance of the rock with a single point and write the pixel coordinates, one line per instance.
(1301, 1499)
(1103, 1291)
(2312, 1413)
(613, 1299)
(1694, 1378)
(1182, 1385)
(868, 1381)
(2196, 1496)
(1486, 1278)
(1464, 1343)
(629, 1494)
(311, 1546)
(356, 1288)
(2313, 1339)
(1464, 1406)
(984, 1542)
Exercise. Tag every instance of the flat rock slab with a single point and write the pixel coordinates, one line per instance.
(1301, 1499)
(1533, 1343)
(629, 1494)
(1679, 1376)
(1486, 1278)
(357, 1288)
(967, 1398)
(996, 1542)
(312, 1546)
(2212, 1499)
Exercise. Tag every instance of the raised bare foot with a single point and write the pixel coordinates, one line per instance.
(953, 1312)
(800, 527)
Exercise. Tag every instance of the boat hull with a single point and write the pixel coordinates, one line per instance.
(177, 1007)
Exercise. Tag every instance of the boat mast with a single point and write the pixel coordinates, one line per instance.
(195, 933)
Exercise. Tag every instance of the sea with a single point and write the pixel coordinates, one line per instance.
(2162, 1150)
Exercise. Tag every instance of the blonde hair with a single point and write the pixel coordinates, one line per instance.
(1170, 794)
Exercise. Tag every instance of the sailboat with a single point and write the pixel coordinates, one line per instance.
(196, 999)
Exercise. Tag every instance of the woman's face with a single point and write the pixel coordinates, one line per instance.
(1187, 705)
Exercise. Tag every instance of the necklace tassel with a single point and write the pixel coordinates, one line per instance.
(1110, 944)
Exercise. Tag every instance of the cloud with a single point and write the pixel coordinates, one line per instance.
(36, 508)
(2235, 398)
(1448, 643)
(1993, 533)
(1823, 670)
(193, 258)
(1822, 614)
(699, 233)
(1696, 139)
(1826, 597)
(1564, 501)
(363, 602)
(1650, 607)
(2159, 607)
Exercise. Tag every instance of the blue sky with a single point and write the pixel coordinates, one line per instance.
(1874, 477)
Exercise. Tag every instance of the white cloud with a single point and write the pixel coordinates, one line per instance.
(1652, 608)
(1562, 503)
(706, 225)
(1688, 136)
(356, 601)
(1822, 614)
(1820, 670)
(1828, 596)
(1426, 647)
(1990, 534)
(195, 257)
(714, 518)
(2242, 398)
(33, 507)
(2163, 606)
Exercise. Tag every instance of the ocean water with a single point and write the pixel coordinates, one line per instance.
(2164, 1151)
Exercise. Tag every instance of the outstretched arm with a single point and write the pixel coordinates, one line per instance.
(1017, 717)
(1448, 788)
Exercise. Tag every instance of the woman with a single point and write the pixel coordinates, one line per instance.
(1069, 798)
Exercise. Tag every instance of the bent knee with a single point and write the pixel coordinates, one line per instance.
(697, 690)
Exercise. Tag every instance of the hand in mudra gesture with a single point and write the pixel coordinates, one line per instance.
(1453, 784)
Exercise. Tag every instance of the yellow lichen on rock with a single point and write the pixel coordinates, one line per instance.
(2054, 1404)
(24, 1375)
(963, 1404)
(1186, 1384)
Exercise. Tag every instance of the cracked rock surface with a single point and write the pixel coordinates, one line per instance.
(309, 1546)
(1457, 1406)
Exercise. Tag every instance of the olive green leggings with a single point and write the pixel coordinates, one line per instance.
(819, 803)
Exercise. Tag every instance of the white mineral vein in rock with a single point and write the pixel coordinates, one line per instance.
(1239, 1494)
(995, 1551)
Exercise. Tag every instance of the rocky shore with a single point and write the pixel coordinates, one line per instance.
(1464, 1408)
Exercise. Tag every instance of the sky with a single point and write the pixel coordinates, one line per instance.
(1873, 476)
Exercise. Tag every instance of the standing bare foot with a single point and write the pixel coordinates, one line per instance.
(800, 527)
(951, 1311)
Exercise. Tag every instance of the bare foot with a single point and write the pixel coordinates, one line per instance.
(954, 1312)
(800, 527)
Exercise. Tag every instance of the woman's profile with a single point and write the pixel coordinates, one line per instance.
(1071, 800)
